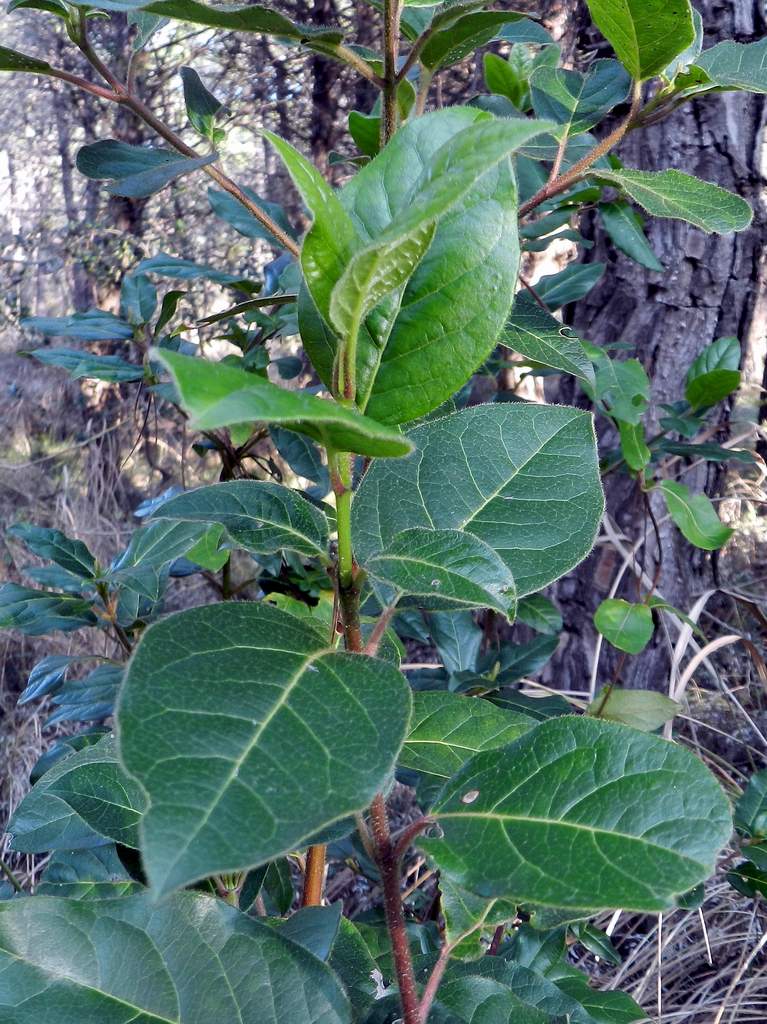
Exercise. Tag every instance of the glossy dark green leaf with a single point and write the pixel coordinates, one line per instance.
(522, 478)
(46, 676)
(624, 227)
(569, 285)
(350, 959)
(596, 941)
(627, 626)
(695, 516)
(55, 546)
(314, 928)
(302, 455)
(680, 196)
(233, 212)
(79, 365)
(457, 638)
(89, 699)
(260, 516)
(536, 334)
(95, 325)
(95, 874)
(646, 710)
(155, 546)
(521, 821)
(645, 34)
(575, 101)
(748, 879)
(114, 961)
(13, 60)
(751, 806)
(447, 729)
(36, 612)
(138, 299)
(714, 374)
(540, 613)
(295, 737)
(455, 38)
(57, 7)
(443, 570)
(216, 395)
(733, 65)
(519, 660)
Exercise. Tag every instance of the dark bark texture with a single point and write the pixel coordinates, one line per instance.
(711, 286)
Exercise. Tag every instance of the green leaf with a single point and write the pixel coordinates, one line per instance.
(444, 570)
(714, 374)
(634, 445)
(597, 942)
(569, 285)
(135, 171)
(624, 226)
(36, 612)
(536, 334)
(216, 395)
(56, 7)
(695, 516)
(138, 299)
(540, 613)
(409, 358)
(731, 65)
(314, 928)
(350, 959)
(629, 627)
(155, 546)
(12, 60)
(447, 729)
(257, 691)
(185, 270)
(95, 325)
(455, 38)
(646, 710)
(260, 516)
(751, 807)
(623, 387)
(748, 879)
(302, 455)
(645, 34)
(80, 364)
(520, 822)
(365, 130)
(55, 546)
(522, 478)
(680, 196)
(503, 78)
(129, 959)
(207, 551)
(457, 638)
(233, 212)
(202, 107)
(466, 915)
(95, 874)
(577, 102)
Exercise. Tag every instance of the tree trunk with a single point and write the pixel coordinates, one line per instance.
(712, 286)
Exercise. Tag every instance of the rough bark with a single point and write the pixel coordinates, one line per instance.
(712, 286)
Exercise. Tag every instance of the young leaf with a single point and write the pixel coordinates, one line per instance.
(502, 77)
(731, 65)
(682, 197)
(67, 960)
(577, 102)
(522, 478)
(242, 682)
(447, 729)
(202, 107)
(633, 445)
(138, 299)
(622, 386)
(714, 374)
(444, 570)
(645, 710)
(695, 516)
(216, 395)
(260, 516)
(95, 325)
(12, 60)
(629, 627)
(55, 546)
(645, 34)
(623, 225)
(520, 822)
(536, 334)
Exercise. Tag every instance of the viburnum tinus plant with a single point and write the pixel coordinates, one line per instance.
(228, 745)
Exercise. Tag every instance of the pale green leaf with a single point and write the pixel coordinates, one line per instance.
(260, 516)
(189, 960)
(634, 445)
(695, 516)
(444, 570)
(629, 627)
(680, 196)
(249, 737)
(522, 478)
(646, 710)
(645, 34)
(216, 395)
(521, 822)
(733, 65)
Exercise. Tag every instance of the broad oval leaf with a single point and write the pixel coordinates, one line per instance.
(95, 874)
(714, 374)
(260, 516)
(447, 729)
(645, 34)
(627, 626)
(732, 65)
(521, 822)
(577, 102)
(249, 736)
(216, 395)
(55, 546)
(646, 710)
(444, 570)
(522, 478)
(120, 960)
(533, 332)
(695, 516)
(681, 196)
